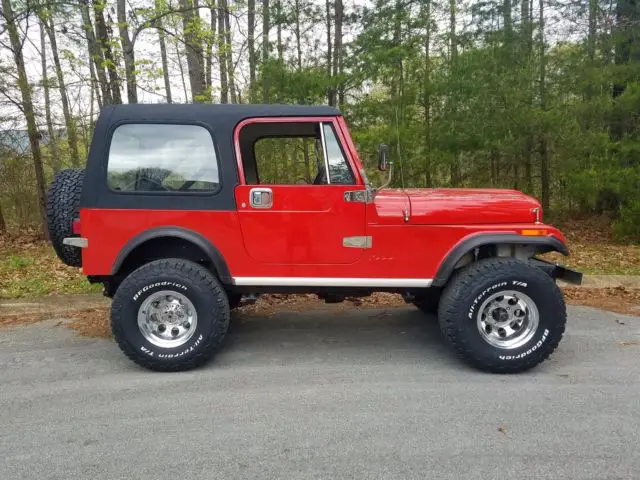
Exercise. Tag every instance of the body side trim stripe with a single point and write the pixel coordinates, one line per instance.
(331, 282)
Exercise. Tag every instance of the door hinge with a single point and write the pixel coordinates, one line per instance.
(357, 242)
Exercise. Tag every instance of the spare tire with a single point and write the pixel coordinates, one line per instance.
(63, 207)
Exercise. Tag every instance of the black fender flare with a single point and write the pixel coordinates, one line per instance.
(543, 243)
(176, 232)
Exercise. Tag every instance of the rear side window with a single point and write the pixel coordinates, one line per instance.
(162, 158)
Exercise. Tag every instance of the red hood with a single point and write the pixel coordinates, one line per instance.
(467, 206)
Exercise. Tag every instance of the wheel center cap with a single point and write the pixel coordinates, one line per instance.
(500, 315)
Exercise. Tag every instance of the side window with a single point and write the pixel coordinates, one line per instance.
(339, 171)
(293, 153)
(162, 158)
(288, 160)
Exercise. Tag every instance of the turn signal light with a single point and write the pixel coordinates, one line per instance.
(534, 232)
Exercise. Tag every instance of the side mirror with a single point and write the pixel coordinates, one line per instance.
(383, 153)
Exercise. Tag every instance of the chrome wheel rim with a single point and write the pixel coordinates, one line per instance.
(508, 319)
(167, 319)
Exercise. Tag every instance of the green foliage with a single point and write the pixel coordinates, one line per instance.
(627, 227)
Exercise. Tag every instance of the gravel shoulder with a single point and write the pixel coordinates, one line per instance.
(369, 393)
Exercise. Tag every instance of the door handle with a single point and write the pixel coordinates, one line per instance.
(261, 198)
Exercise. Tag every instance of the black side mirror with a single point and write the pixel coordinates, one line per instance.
(383, 153)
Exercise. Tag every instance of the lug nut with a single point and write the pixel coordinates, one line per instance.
(161, 328)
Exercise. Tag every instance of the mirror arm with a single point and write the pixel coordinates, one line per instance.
(388, 182)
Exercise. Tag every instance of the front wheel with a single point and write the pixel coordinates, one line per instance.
(502, 315)
(170, 315)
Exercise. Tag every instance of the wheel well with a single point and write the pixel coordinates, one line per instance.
(163, 247)
(155, 249)
(465, 255)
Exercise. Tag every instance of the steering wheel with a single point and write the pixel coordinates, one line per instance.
(138, 181)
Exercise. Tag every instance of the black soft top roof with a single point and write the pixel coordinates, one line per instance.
(222, 113)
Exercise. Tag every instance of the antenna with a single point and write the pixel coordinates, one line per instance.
(399, 152)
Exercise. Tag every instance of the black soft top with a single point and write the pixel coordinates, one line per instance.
(220, 120)
(222, 113)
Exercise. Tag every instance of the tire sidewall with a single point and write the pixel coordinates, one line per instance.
(546, 332)
(131, 300)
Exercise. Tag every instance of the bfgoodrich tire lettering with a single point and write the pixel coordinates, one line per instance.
(188, 279)
(460, 308)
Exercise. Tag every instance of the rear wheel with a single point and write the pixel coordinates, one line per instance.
(170, 315)
(502, 315)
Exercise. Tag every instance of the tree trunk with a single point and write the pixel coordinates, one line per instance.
(104, 43)
(89, 130)
(279, 46)
(127, 52)
(265, 49)
(94, 52)
(527, 46)
(53, 142)
(11, 24)
(331, 92)
(591, 36)
(72, 137)
(181, 68)
(298, 35)
(508, 23)
(195, 58)
(427, 94)
(230, 64)
(165, 66)
(95, 87)
(544, 150)
(211, 39)
(337, 50)
(222, 52)
(453, 40)
(251, 25)
(627, 51)
(3, 224)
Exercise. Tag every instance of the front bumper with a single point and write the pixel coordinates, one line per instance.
(559, 272)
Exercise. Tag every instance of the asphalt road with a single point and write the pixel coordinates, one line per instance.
(366, 394)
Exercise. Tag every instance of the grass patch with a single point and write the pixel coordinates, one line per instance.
(30, 268)
(593, 250)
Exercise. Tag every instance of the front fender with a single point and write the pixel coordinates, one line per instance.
(542, 244)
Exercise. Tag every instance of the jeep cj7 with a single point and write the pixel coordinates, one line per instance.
(184, 209)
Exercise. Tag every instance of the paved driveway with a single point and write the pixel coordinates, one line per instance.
(322, 394)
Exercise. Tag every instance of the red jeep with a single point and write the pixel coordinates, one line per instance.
(183, 209)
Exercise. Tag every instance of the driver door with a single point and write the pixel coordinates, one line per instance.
(292, 207)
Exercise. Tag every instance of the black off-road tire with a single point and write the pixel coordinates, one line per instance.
(234, 300)
(464, 295)
(63, 207)
(429, 301)
(193, 281)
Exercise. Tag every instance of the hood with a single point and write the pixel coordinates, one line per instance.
(468, 206)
